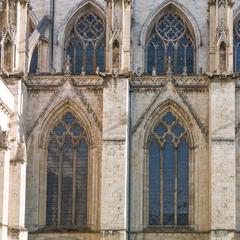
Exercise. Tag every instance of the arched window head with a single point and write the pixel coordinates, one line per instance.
(85, 44)
(170, 37)
(236, 45)
(67, 174)
(168, 163)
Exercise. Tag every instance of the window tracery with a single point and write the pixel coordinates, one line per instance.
(168, 173)
(86, 44)
(170, 36)
(67, 174)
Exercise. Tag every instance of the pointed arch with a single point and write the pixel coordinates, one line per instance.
(169, 156)
(52, 117)
(64, 29)
(195, 39)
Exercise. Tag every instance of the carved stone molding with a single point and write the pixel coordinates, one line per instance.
(5, 108)
(4, 143)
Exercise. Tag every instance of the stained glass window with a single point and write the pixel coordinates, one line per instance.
(169, 173)
(170, 36)
(67, 174)
(86, 44)
(236, 46)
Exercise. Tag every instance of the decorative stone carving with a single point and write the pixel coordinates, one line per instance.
(20, 155)
(3, 140)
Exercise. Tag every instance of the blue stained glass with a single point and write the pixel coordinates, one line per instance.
(154, 183)
(67, 182)
(160, 58)
(79, 59)
(89, 59)
(81, 183)
(77, 130)
(190, 59)
(169, 118)
(100, 54)
(150, 58)
(178, 130)
(161, 130)
(183, 169)
(68, 118)
(52, 183)
(168, 182)
(34, 61)
(237, 57)
(59, 130)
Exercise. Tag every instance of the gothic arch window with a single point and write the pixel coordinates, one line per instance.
(67, 174)
(236, 45)
(168, 166)
(34, 61)
(85, 44)
(170, 37)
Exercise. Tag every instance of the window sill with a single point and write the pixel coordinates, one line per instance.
(70, 229)
(170, 229)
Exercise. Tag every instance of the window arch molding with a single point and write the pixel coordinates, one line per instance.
(150, 124)
(63, 30)
(46, 125)
(184, 14)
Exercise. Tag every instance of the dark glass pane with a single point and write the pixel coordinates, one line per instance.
(150, 58)
(178, 130)
(52, 183)
(160, 57)
(168, 182)
(68, 118)
(67, 183)
(76, 130)
(154, 183)
(59, 130)
(34, 61)
(79, 59)
(82, 182)
(190, 59)
(183, 169)
(169, 118)
(161, 130)
(237, 57)
(180, 58)
(100, 54)
(90, 59)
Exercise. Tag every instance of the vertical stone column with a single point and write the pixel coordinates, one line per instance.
(21, 35)
(222, 158)
(114, 173)
(4, 184)
(17, 174)
(126, 33)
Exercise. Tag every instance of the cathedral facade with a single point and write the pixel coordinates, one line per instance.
(119, 119)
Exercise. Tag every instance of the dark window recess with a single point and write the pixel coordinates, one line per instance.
(67, 177)
(169, 173)
(34, 61)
